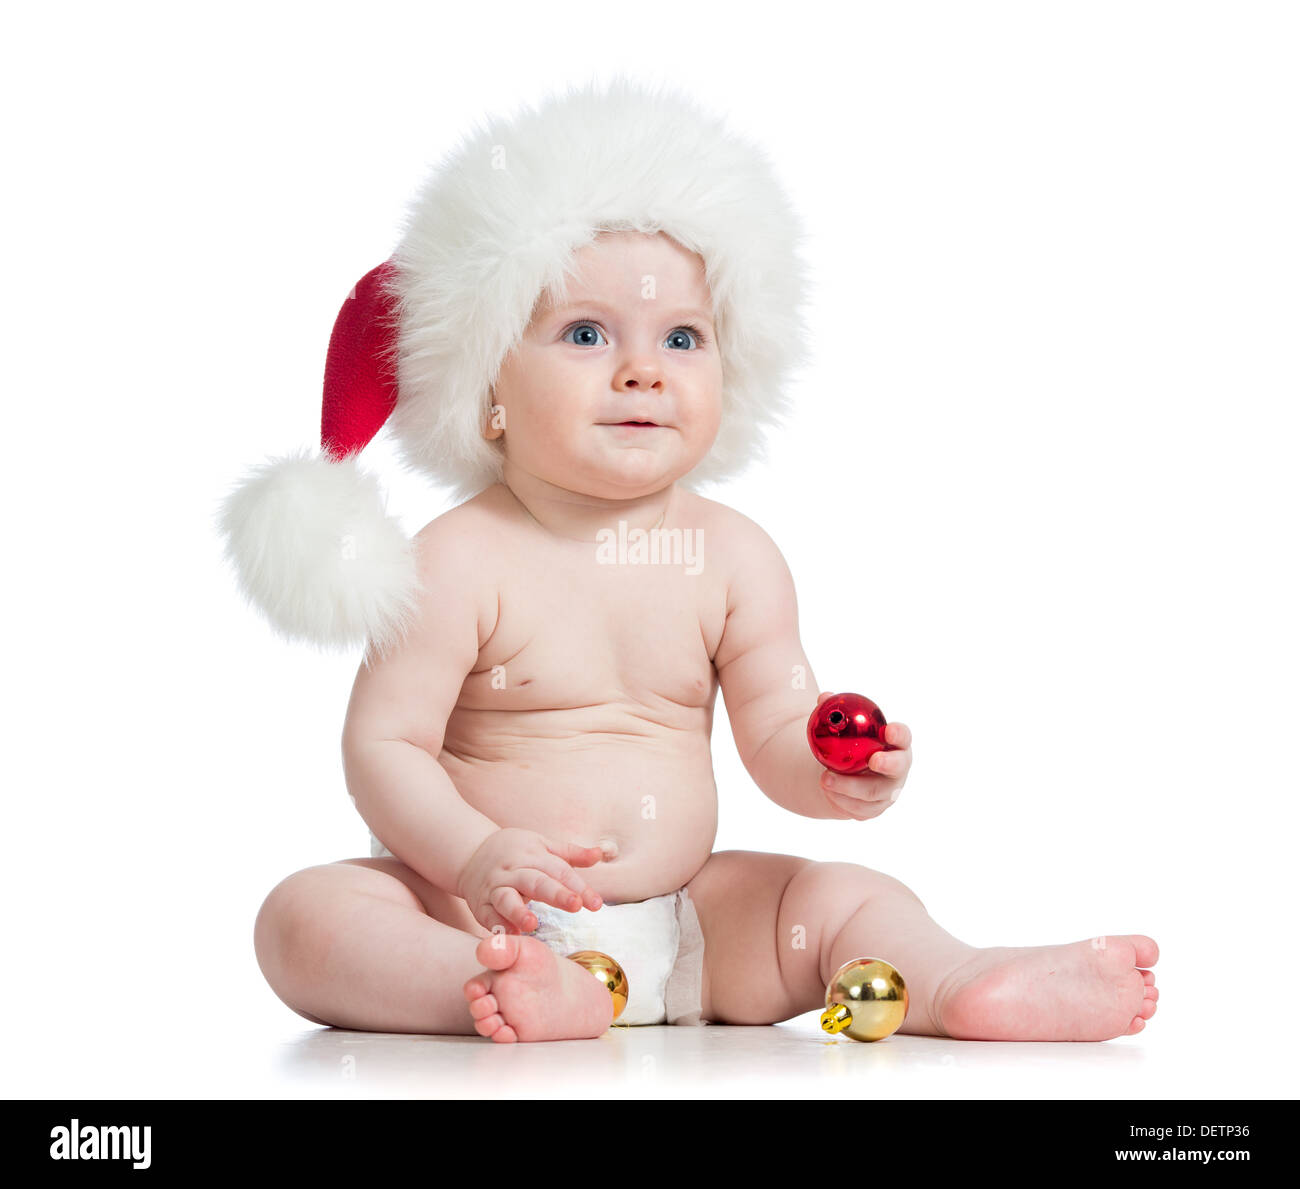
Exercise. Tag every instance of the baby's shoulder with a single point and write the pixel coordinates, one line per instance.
(444, 542)
(469, 529)
(456, 551)
(741, 542)
(709, 513)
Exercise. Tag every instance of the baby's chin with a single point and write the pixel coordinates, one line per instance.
(624, 482)
(630, 474)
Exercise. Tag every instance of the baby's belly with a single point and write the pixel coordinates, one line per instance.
(650, 790)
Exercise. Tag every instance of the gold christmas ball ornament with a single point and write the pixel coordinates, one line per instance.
(608, 972)
(866, 999)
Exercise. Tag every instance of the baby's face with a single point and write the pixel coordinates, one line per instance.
(618, 349)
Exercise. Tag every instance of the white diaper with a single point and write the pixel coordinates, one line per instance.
(657, 942)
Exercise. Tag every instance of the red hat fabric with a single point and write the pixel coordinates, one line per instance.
(360, 375)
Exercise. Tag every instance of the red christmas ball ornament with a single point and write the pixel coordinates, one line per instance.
(845, 731)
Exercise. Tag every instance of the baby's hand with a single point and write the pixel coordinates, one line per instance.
(869, 794)
(512, 866)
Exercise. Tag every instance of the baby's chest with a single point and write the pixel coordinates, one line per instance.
(584, 637)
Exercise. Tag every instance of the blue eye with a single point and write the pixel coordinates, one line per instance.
(694, 340)
(694, 331)
(583, 326)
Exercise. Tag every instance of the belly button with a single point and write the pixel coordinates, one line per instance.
(609, 847)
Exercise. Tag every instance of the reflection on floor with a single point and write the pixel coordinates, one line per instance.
(791, 1060)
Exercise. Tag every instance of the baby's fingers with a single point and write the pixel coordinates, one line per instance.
(578, 856)
(510, 904)
(866, 788)
(561, 872)
(894, 764)
(898, 734)
(856, 807)
(493, 920)
(550, 890)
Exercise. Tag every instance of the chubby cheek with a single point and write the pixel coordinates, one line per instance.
(548, 420)
(545, 432)
(702, 422)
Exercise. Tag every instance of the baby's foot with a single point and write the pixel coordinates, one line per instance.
(528, 992)
(1088, 990)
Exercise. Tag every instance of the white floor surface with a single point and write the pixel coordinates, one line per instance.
(139, 1052)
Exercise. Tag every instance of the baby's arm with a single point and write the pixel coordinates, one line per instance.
(399, 708)
(766, 681)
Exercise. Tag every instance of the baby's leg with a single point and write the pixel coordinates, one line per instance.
(1085, 990)
(777, 926)
(817, 916)
(359, 944)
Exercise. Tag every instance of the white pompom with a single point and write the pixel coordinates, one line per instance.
(315, 552)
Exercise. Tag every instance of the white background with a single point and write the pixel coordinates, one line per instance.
(1038, 498)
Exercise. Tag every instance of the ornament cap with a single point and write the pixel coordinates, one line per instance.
(836, 1019)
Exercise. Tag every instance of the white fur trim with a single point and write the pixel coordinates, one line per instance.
(315, 552)
(500, 219)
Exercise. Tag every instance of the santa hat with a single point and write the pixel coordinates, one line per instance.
(419, 342)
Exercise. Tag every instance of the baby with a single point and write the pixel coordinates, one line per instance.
(536, 752)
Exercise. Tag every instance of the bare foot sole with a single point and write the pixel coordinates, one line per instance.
(1087, 990)
(529, 993)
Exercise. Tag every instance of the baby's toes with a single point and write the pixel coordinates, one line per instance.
(498, 951)
(1146, 1009)
(1150, 992)
(483, 1006)
(1145, 949)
